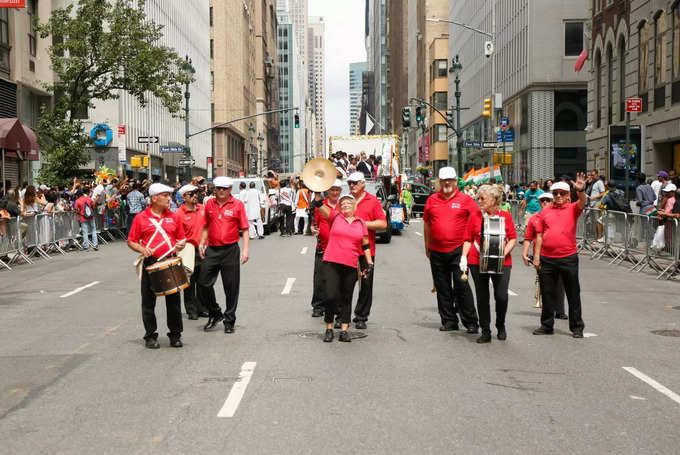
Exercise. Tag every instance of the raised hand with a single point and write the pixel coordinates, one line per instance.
(580, 183)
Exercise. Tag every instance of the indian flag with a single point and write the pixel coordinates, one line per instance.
(469, 178)
(482, 176)
(497, 176)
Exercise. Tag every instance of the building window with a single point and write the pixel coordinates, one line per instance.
(622, 78)
(4, 40)
(610, 84)
(440, 100)
(212, 49)
(573, 38)
(440, 67)
(676, 42)
(439, 133)
(598, 90)
(31, 8)
(212, 81)
(211, 16)
(643, 62)
(660, 50)
(597, 6)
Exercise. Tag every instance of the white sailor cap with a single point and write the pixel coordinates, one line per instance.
(337, 183)
(356, 177)
(159, 188)
(446, 173)
(223, 182)
(564, 186)
(187, 189)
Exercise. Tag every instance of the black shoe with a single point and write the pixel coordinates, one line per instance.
(361, 325)
(344, 336)
(228, 328)
(203, 314)
(176, 343)
(212, 322)
(485, 338)
(502, 335)
(328, 337)
(337, 325)
(577, 334)
(448, 327)
(473, 329)
(543, 331)
(561, 316)
(193, 316)
(96, 248)
(261, 237)
(316, 313)
(152, 343)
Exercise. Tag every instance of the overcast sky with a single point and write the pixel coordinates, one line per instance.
(344, 21)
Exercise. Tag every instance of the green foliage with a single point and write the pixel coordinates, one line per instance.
(100, 49)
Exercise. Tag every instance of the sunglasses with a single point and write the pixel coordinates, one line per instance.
(560, 193)
(218, 188)
(192, 193)
(353, 183)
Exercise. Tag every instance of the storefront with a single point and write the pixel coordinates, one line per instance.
(18, 146)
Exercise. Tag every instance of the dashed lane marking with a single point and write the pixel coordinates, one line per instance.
(655, 385)
(288, 286)
(418, 233)
(304, 251)
(77, 290)
(512, 293)
(589, 335)
(237, 390)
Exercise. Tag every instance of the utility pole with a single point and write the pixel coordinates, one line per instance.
(456, 68)
(189, 71)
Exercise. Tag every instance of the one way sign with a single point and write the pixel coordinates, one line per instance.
(147, 139)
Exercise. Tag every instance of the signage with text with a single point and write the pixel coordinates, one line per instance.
(13, 4)
(634, 105)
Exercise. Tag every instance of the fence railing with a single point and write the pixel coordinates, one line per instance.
(645, 242)
(22, 239)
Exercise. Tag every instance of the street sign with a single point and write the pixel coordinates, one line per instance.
(147, 139)
(490, 145)
(171, 148)
(505, 123)
(476, 144)
(505, 136)
(634, 105)
(190, 162)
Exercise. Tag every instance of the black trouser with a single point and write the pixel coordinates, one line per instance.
(452, 299)
(500, 281)
(173, 304)
(559, 302)
(193, 296)
(550, 272)
(286, 221)
(365, 299)
(339, 281)
(225, 261)
(318, 295)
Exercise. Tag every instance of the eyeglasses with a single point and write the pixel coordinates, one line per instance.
(560, 193)
(544, 201)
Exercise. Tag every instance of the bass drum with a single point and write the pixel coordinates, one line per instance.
(168, 276)
(493, 245)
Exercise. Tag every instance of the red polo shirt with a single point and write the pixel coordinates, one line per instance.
(558, 225)
(323, 226)
(344, 241)
(370, 209)
(530, 230)
(225, 222)
(143, 230)
(193, 222)
(473, 233)
(448, 220)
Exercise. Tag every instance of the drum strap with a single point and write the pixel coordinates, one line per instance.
(161, 231)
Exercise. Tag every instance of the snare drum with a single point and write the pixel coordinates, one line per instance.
(167, 276)
(493, 245)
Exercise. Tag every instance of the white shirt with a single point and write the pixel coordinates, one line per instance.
(99, 189)
(287, 196)
(596, 190)
(252, 203)
(656, 187)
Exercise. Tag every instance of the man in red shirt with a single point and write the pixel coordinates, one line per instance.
(444, 224)
(156, 233)
(556, 256)
(226, 221)
(370, 210)
(321, 229)
(87, 222)
(192, 215)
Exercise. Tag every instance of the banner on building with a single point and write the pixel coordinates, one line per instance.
(13, 4)
(617, 153)
(122, 151)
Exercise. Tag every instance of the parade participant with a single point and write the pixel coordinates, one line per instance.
(555, 255)
(370, 210)
(192, 215)
(530, 205)
(348, 242)
(225, 218)
(445, 219)
(489, 198)
(321, 229)
(286, 208)
(156, 233)
(302, 199)
(253, 202)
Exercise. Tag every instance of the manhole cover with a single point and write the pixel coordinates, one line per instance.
(667, 332)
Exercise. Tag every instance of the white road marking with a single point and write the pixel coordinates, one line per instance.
(589, 335)
(288, 286)
(304, 251)
(635, 397)
(512, 293)
(77, 290)
(237, 390)
(655, 385)
(418, 233)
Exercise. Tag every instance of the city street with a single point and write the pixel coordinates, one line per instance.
(77, 379)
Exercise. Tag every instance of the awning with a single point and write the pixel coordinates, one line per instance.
(15, 137)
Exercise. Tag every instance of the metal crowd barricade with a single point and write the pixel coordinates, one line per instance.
(10, 245)
(99, 227)
(517, 220)
(617, 228)
(663, 249)
(29, 238)
(586, 231)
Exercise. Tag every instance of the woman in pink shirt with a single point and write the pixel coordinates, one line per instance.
(347, 241)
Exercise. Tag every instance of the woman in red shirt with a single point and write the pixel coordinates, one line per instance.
(347, 241)
(489, 198)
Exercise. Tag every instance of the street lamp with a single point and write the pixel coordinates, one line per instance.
(456, 68)
(189, 72)
(251, 153)
(260, 139)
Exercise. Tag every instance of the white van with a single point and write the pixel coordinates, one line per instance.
(262, 186)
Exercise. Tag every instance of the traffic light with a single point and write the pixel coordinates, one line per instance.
(136, 162)
(449, 118)
(419, 114)
(297, 121)
(146, 160)
(486, 112)
(406, 117)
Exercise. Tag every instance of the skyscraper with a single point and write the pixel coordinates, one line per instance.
(356, 71)
(317, 86)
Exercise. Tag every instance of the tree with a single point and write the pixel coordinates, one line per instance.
(101, 48)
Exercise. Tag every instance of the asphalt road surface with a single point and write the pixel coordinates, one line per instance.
(76, 379)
